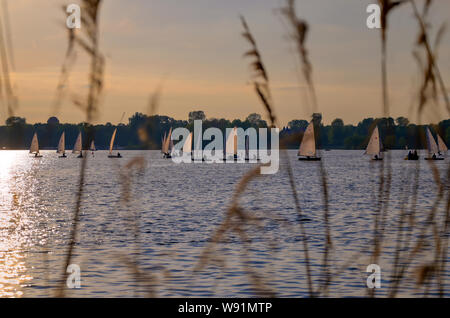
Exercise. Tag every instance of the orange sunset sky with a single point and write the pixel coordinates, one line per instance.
(196, 46)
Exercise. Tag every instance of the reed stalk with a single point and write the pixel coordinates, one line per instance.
(298, 33)
(90, 107)
(262, 88)
(7, 60)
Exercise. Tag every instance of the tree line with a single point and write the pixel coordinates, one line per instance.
(396, 133)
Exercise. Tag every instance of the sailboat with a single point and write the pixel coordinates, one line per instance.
(433, 149)
(92, 147)
(412, 155)
(167, 145)
(78, 148)
(111, 145)
(374, 146)
(163, 141)
(307, 150)
(247, 151)
(442, 146)
(187, 147)
(247, 148)
(62, 146)
(34, 148)
(198, 147)
(231, 145)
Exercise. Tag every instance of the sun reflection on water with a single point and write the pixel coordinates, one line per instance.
(13, 270)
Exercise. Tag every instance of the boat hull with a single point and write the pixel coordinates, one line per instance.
(309, 159)
(194, 160)
(378, 159)
(434, 159)
(115, 157)
(254, 160)
(239, 160)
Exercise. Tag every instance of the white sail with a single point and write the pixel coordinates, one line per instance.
(170, 142)
(374, 146)
(308, 145)
(187, 147)
(231, 144)
(62, 144)
(442, 146)
(431, 143)
(111, 143)
(92, 148)
(34, 148)
(78, 144)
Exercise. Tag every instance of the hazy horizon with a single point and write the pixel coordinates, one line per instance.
(197, 50)
(126, 117)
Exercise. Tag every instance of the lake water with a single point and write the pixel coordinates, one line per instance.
(174, 209)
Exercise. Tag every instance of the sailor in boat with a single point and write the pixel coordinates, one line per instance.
(434, 148)
(111, 145)
(374, 146)
(410, 156)
(307, 150)
(167, 145)
(34, 148)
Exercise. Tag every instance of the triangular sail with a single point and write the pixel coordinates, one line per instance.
(308, 145)
(170, 142)
(62, 144)
(92, 148)
(167, 142)
(111, 144)
(231, 144)
(374, 146)
(187, 147)
(442, 146)
(78, 144)
(431, 143)
(34, 148)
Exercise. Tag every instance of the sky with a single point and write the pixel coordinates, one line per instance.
(195, 49)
